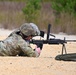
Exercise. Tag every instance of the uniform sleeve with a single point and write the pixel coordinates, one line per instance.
(27, 50)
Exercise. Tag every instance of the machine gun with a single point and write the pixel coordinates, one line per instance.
(52, 41)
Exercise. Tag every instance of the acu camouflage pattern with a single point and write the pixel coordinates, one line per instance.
(29, 29)
(15, 45)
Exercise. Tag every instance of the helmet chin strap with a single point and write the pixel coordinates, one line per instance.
(22, 35)
(26, 37)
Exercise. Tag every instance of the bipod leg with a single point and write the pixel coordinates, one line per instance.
(64, 48)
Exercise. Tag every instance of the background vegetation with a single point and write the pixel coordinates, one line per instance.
(60, 13)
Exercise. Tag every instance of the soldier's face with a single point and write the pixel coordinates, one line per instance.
(29, 37)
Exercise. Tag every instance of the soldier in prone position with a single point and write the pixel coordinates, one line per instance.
(17, 43)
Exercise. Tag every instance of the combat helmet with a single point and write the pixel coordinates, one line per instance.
(28, 29)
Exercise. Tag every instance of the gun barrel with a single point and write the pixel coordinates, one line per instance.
(70, 40)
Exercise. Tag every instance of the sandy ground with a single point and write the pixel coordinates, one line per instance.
(43, 65)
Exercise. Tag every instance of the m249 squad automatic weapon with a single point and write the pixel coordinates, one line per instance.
(50, 41)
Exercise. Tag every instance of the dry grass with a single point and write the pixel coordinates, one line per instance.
(11, 16)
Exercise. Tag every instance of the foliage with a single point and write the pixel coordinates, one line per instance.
(64, 6)
(14, 0)
(31, 10)
(14, 13)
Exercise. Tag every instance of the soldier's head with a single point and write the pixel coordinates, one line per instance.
(29, 29)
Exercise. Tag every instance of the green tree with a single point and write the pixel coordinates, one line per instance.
(64, 6)
(32, 10)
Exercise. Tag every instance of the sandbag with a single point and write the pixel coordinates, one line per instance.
(66, 57)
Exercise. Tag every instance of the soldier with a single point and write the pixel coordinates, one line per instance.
(17, 43)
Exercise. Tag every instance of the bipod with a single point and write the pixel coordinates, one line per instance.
(64, 49)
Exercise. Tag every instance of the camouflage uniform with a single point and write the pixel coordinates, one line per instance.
(14, 45)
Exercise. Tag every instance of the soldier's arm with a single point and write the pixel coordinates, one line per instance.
(27, 50)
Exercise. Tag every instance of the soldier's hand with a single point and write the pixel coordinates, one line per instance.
(37, 49)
